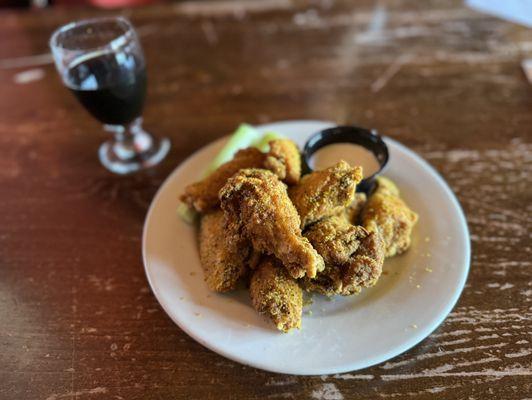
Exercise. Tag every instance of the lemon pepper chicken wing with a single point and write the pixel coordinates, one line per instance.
(326, 192)
(276, 294)
(223, 254)
(283, 159)
(388, 214)
(203, 195)
(353, 257)
(256, 205)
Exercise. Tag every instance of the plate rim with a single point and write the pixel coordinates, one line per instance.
(420, 335)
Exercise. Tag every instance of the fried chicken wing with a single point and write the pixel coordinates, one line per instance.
(284, 160)
(223, 254)
(365, 265)
(203, 195)
(277, 295)
(256, 205)
(353, 257)
(385, 212)
(326, 192)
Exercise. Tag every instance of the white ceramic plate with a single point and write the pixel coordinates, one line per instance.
(414, 295)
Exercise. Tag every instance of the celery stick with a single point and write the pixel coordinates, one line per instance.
(186, 213)
(243, 137)
(263, 144)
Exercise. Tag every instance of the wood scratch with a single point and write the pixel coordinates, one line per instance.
(26, 61)
(210, 33)
(486, 373)
(390, 72)
(97, 390)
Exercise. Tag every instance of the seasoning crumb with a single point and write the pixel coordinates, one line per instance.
(385, 272)
(428, 269)
(414, 326)
(181, 298)
(197, 314)
(418, 286)
(192, 273)
(309, 312)
(427, 239)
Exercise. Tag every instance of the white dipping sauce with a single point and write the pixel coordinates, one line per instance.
(353, 154)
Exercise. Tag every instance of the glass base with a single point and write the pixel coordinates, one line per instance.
(120, 159)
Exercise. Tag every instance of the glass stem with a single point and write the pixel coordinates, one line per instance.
(131, 141)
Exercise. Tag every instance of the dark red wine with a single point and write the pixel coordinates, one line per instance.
(111, 86)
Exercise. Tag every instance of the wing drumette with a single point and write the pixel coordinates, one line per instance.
(256, 205)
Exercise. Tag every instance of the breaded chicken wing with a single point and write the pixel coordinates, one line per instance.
(203, 195)
(277, 295)
(284, 160)
(365, 265)
(353, 257)
(326, 192)
(256, 205)
(385, 212)
(223, 254)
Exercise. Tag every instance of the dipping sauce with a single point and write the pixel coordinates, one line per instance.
(352, 153)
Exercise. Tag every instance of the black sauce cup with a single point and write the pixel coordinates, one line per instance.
(366, 138)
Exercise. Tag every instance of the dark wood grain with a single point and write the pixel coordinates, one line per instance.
(78, 320)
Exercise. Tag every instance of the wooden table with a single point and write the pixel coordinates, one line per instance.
(78, 319)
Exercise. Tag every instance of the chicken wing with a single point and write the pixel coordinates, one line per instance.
(277, 295)
(223, 254)
(326, 192)
(385, 212)
(353, 257)
(203, 195)
(256, 205)
(284, 160)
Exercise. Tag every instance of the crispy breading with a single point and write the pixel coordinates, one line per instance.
(365, 266)
(353, 257)
(284, 160)
(223, 254)
(256, 205)
(276, 294)
(326, 192)
(353, 211)
(203, 195)
(388, 214)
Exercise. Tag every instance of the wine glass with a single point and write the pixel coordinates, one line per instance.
(101, 62)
